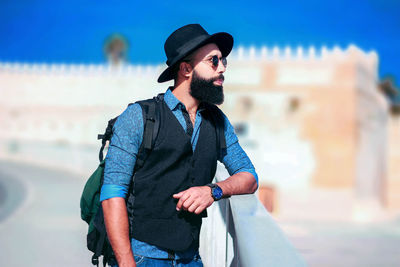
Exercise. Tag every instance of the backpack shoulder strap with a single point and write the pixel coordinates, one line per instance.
(151, 122)
(149, 114)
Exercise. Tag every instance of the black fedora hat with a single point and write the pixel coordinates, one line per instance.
(188, 38)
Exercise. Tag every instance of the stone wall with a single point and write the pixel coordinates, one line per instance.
(302, 114)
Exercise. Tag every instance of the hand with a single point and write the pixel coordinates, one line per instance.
(195, 199)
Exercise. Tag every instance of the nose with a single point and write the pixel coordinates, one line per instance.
(221, 68)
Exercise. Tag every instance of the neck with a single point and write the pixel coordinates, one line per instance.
(182, 92)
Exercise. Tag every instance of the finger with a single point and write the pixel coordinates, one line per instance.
(178, 195)
(181, 200)
(193, 207)
(187, 203)
(199, 209)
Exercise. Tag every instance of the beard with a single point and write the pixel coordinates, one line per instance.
(205, 90)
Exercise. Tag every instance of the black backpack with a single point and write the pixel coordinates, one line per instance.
(90, 205)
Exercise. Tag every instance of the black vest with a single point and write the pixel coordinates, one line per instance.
(172, 167)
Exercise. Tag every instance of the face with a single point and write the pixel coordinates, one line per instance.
(207, 79)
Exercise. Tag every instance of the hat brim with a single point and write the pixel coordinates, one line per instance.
(223, 40)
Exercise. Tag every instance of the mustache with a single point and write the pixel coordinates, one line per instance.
(220, 77)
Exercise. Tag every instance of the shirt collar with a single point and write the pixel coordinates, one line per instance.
(174, 103)
(171, 100)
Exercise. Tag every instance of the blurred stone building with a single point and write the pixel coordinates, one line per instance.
(307, 117)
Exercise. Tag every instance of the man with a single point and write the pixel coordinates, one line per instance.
(172, 189)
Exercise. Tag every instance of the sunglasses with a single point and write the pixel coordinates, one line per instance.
(215, 61)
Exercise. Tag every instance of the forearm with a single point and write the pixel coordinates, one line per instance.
(243, 179)
(238, 184)
(117, 225)
(198, 198)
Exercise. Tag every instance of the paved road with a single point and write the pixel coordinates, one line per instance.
(40, 222)
(12, 195)
(345, 244)
(322, 229)
(40, 225)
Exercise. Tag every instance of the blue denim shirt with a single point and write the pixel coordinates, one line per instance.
(123, 149)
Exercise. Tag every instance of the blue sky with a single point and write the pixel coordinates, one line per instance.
(74, 31)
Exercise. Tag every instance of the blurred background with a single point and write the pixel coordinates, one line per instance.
(311, 88)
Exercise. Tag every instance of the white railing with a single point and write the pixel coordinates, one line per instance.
(240, 232)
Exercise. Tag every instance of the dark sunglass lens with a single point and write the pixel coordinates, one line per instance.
(224, 61)
(215, 61)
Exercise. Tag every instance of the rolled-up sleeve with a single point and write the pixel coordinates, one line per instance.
(234, 158)
(121, 156)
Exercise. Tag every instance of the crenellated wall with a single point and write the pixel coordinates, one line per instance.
(299, 111)
(302, 53)
(68, 103)
(309, 100)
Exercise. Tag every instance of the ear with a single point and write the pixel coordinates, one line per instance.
(185, 69)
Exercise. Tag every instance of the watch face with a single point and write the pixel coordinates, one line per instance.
(217, 192)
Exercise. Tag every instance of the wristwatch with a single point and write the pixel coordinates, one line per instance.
(216, 191)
